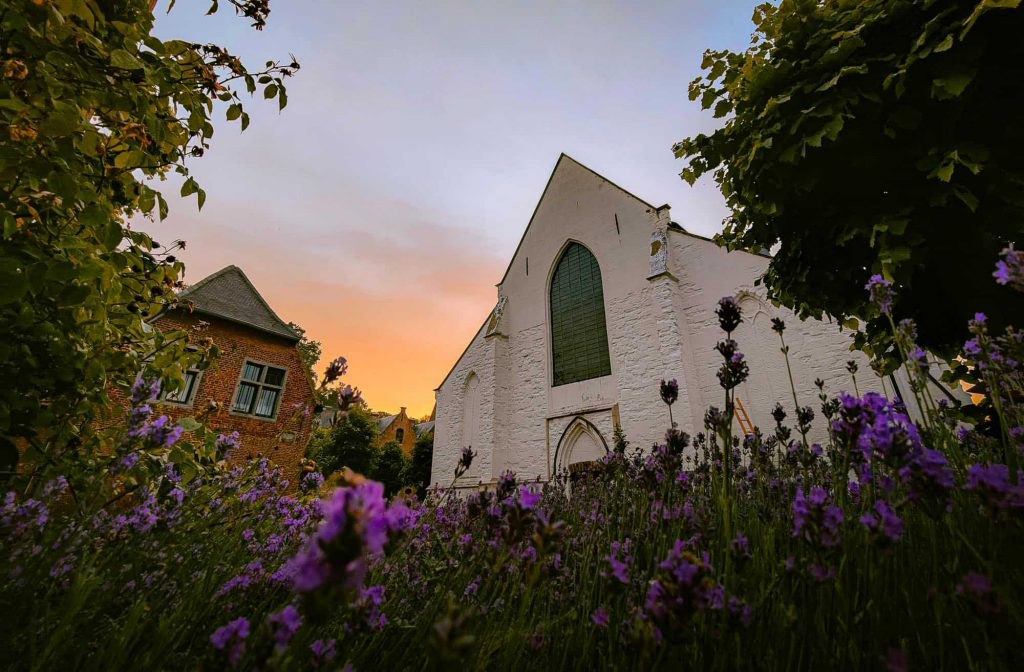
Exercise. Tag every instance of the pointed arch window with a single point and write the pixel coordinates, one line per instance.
(579, 336)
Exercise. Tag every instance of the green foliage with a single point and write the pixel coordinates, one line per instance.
(145, 594)
(873, 137)
(417, 469)
(389, 467)
(93, 108)
(351, 443)
(309, 352)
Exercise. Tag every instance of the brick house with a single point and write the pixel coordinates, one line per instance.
(399, 428)
(260, 386)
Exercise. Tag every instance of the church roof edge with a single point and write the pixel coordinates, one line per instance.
(540, 200)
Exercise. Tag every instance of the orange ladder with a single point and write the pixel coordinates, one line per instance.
(742, 418)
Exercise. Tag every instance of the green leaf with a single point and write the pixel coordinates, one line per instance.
(965, 195)
(163, 206)
(13, 284)
(189, 424)
(189, 187)
(234, 111)
(120, 58)
(945, 45)
(951, 85)
(270, 91)
(65, 118)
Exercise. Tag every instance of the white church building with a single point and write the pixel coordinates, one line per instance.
(604, 297)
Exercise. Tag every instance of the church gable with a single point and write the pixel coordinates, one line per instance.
(569, 189)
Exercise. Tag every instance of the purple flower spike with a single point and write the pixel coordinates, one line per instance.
(1010, 269)
(881, 293)
(336, 369)
(527, 498)
(231, 638)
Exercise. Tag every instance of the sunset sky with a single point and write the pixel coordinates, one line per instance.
(379, 209)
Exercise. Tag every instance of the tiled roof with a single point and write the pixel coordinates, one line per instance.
(230, 295)
(385, 422)
(424, 428)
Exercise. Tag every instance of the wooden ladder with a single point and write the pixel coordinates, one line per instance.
(742, 418)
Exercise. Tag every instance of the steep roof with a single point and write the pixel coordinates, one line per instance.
(228, 294)
(558, 164)
(385, 422)
(562, 158)
(424, 428)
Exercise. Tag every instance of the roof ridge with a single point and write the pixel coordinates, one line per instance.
(563, 155)
(191, 290)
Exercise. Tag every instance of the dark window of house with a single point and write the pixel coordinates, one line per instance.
(579, 338)
(399, 435)
(259, 390)
(183, 395)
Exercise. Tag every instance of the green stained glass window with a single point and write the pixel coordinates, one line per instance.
(579, 337)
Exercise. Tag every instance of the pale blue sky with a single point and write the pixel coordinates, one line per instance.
(379, 209)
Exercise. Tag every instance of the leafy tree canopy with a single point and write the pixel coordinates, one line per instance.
(873, 136)
(417, 470)
(309, 352)
(389, 467)
(351, 443)
(93, 110)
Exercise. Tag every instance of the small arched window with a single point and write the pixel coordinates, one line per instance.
(579, 337)
(399, 435)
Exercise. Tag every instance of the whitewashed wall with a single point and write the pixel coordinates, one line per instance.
(661, 286)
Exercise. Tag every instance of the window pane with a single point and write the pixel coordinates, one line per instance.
(579, 337)
(266, 403)
(183, 395)
(252, 372)
(274, 376)
(244, 398)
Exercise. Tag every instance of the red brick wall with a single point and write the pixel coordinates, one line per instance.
(258, 437)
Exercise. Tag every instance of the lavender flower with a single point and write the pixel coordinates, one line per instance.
(356, 524)
(231, 639)
(226, 443)
(729, 315)
(992, 483)
(311, 481)
(886, 522)
(918, 357)
(324, 651)
(881, 293)
(600, 617)
(1010, 269)
(284, 624)
(977, 589)
(527, 498)
(465, 461)
(336, 369)
(669, 391)
(815, 520)
(619, 567)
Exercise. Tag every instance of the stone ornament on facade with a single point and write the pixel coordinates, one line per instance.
(494, 323)
(659, 254)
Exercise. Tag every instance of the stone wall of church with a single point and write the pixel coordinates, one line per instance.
(451, 422)
(817, 349)
(661, 286)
